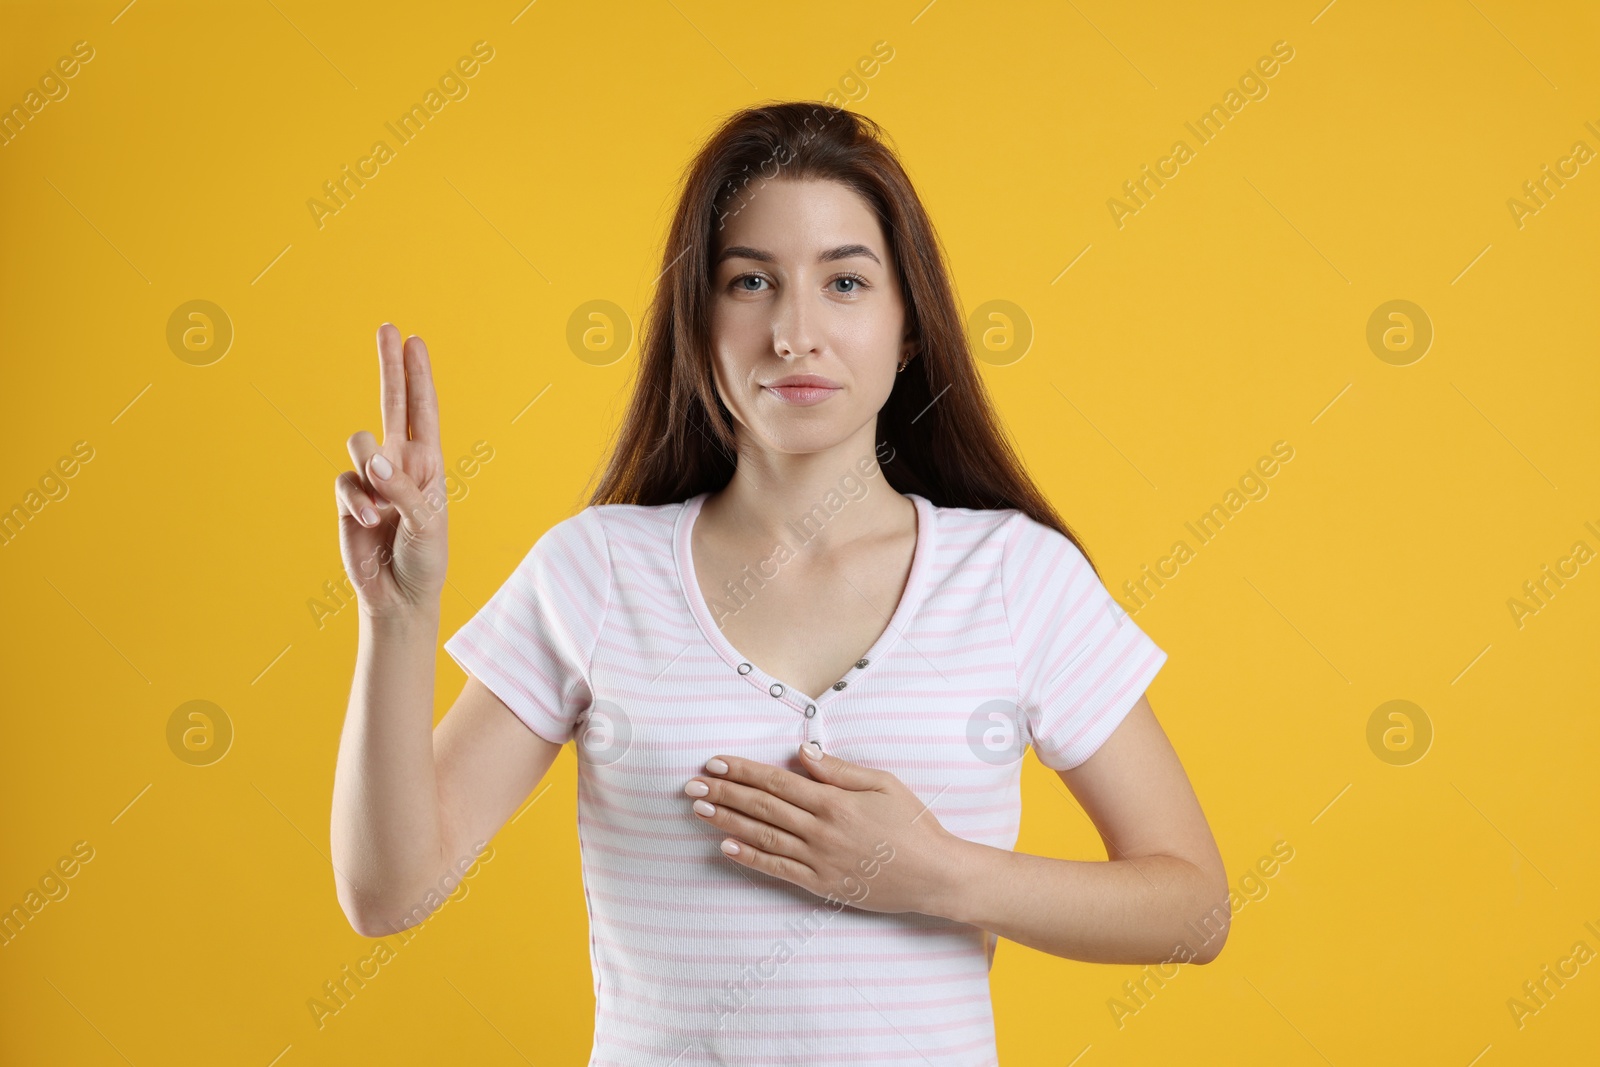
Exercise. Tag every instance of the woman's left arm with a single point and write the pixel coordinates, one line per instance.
(1161, 895)
(860, 836)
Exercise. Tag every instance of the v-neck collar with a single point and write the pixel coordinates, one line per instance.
(777, 688)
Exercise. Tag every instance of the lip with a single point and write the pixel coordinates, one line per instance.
(815, 380)
(802, 390)
(801, 395)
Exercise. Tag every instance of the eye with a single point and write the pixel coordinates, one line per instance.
(855, 282)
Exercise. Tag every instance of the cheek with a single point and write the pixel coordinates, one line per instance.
(728, 353)
(872, 348)
(738, 331)
(737, 345)
(871, 334)
(719, 382)
(727, 373)
(730, 335)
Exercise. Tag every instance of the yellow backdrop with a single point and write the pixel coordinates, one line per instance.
(1339, 346)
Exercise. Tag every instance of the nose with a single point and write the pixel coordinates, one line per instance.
(793, 324)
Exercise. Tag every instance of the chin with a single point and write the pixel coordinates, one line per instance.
(800, 440)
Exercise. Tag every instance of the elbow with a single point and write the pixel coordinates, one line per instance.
(1212, 948)
(361, 920)
(356, 911)
(366, 917)
(360, 926)
(1210, 932)
(372, 918)
(381, 915)
(1201, 920)
(370, 925)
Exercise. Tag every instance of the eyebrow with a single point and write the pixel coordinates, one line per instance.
(763, 256)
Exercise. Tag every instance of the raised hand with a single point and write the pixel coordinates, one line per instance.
(392, 516)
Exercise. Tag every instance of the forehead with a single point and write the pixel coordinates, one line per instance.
(796, 220)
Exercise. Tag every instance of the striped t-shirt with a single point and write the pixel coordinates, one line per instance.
(1003, 638)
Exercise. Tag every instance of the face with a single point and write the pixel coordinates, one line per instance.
(803, 284)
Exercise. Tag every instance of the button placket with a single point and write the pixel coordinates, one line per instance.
(776, 690)
(813, 732)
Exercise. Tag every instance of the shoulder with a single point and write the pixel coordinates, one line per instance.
(633, 527)
(971, 526)
(623, 537)
(599, 519)
(995, 547)
(1026, 544)
(577, 543)
(585, 526)
(1042, 565)
(1030, 544)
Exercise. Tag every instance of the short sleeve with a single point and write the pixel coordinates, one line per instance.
(1082, 663)
(533, 642)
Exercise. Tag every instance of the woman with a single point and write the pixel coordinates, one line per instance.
(801, 637)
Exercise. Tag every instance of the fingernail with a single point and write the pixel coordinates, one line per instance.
(812, 749)
(697, 788)
(705, 807)
(369, 516)
(730, 848)
(716, 766)
(380, 467)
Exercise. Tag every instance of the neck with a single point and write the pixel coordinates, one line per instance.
(815, 500)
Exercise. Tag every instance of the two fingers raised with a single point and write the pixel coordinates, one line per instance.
(410, 412)
(405, 382)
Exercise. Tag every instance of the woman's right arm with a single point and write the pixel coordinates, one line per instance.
(410, 801)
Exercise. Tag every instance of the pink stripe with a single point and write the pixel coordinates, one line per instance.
(847, 1054)
(867, 980)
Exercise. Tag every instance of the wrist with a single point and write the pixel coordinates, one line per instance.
(960, 878)
(400, 624)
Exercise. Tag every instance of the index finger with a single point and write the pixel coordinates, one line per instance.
(422, 403)
(805, 793)
(391, 384)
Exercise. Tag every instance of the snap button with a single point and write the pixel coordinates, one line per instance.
(811, 709)
(860, 664)
(744, 668)
(776, 690)
(839, 685)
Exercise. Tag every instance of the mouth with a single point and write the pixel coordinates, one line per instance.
(802, 389)
(802, 394)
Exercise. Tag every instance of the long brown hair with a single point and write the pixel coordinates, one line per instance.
(941, 437)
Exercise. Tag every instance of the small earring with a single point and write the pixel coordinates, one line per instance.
(904, 363)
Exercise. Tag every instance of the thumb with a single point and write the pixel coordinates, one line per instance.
(416, 506)
(836, 771)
